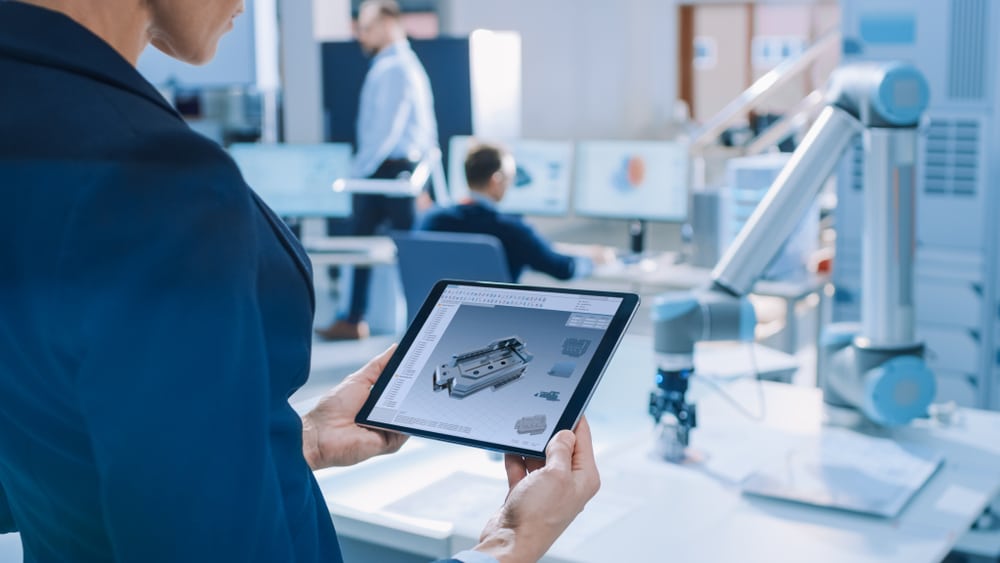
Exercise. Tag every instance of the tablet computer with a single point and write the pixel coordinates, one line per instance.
(498, 366)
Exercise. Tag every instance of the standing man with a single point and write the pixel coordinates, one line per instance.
(396, 129)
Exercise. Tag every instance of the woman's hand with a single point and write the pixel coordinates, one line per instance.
(329, 435)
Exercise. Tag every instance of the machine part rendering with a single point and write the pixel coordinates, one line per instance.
(533, 425)
(548, 395)
(562, 369)
(498, 363)
(575, 347)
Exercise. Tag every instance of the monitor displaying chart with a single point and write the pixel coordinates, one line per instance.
(632, 180)
(542, 182)
(296, 180)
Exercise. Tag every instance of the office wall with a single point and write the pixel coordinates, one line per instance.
(806, 23)
(716, 83)
(300, 73)
(595, 69)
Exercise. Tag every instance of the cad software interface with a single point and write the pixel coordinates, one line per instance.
(496, 365)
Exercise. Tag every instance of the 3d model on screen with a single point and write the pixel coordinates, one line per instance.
(531, 425)
(562, 369)
(575, 347)
(548, 395)
(496, 364)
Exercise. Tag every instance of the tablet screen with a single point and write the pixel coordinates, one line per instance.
(500, 365)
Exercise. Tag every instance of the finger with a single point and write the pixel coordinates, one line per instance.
(533, 464)
(370, 372)
(394, 441)
(584, 464)
(514, 464)
(378, 442)
(559, 452)
(583, 452)
(392, 435)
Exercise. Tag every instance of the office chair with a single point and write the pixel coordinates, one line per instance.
(426, 257)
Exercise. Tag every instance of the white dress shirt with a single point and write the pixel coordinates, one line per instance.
(396, 114)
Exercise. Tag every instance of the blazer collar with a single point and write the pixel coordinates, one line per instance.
(45, 37)
(482, 200)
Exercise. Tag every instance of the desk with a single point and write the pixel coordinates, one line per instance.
(386, 313)
(432, 499)
(350, 251)
(661, 272)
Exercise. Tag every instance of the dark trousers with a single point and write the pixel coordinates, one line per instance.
(372, 212)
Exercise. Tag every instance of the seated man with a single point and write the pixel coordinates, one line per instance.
(489, 170)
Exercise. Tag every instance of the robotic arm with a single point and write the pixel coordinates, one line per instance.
(879, 369)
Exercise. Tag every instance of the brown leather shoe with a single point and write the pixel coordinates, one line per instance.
(343, 330)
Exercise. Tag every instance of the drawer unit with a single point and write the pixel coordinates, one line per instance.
(951, 349)
(994, 387)
(950, 186)
(962, 388)
(943, 302)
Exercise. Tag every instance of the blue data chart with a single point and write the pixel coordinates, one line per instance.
(632, 180)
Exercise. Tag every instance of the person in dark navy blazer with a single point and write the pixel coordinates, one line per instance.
(155, 316)
(489, 170)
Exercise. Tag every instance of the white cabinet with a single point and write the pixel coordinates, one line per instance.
(953, 303)
(951, 349)
(962, 388)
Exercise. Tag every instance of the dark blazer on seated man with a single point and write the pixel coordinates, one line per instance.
(489, 170)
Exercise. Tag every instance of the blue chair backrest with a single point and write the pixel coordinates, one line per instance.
(425, 257)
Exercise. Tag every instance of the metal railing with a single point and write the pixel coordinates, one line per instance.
(429, 168)
(796, 119)
(758, 92)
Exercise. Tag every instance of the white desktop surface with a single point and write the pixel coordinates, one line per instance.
(354, 251)
(662, 270)
(433, 499)
(657, 271)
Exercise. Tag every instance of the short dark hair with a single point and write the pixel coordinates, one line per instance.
(386, 8)
(483, 161)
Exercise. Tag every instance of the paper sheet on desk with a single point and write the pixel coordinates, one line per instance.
(601, 512)
(846, 470)
(733, 455)
(459, 498)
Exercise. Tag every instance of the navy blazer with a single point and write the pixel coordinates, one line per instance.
(524, 247)
(155, 317)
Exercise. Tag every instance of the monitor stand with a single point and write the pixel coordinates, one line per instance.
(637, 240)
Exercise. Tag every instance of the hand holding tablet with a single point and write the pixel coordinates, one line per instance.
(498, 366)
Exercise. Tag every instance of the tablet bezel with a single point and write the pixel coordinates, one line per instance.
(575, 406)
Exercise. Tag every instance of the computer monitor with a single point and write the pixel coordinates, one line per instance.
(542, 184)
(640, 180)
(636, 180)
(296, 180)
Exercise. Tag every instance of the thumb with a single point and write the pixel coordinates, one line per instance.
(370, 372)
(559, 452)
